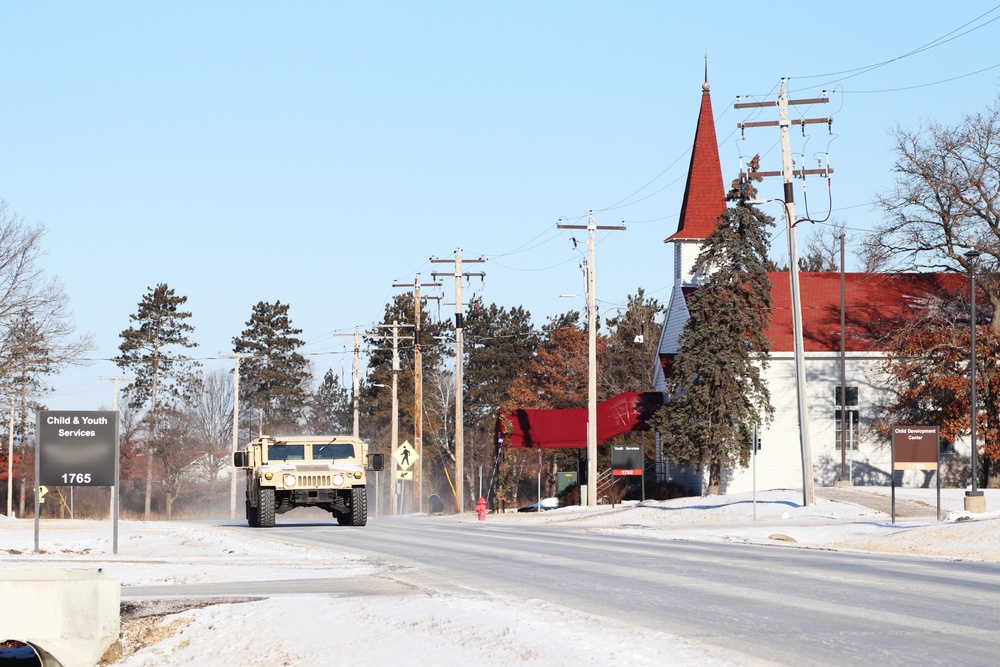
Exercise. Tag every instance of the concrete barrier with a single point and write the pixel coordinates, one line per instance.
(72, 615)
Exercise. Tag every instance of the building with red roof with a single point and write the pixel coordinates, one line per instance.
(871, 303)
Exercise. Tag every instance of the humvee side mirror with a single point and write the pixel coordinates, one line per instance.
(240, 459)
(376, 462)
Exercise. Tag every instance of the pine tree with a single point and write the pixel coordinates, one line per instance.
(633, 335)
(275, 378)
(331, 407)
(717, 392)
(159, 372)
(376, 401)
(500, 345)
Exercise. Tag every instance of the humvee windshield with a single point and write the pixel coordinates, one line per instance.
(330, 452)
(286, 453)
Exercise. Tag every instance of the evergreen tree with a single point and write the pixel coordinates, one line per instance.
(376, 401)
(275, 378)
(716, 391)
(160, 373)
(499, 347)
(633, 336)
(331, 407)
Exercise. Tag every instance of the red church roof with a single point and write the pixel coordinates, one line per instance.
(704, 194)
(873, 301)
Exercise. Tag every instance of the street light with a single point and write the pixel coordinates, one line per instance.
(972, 497)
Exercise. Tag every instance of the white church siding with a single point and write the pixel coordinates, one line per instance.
(779, 461)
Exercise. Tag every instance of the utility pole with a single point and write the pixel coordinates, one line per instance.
(236, 425)
(788, 173)
(418, 388)
(116, 380)
(356, 383)
(459, 363)
(592, 352)
(356, 379)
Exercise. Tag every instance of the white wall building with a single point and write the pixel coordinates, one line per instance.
(868, 300)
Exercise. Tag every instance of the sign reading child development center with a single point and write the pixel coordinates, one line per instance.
(915, 448)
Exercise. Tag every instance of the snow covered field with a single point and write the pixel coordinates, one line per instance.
(443, 630)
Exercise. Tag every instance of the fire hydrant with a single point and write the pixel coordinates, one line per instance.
(481, 509)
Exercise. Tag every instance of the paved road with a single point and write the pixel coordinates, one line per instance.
(754, 605)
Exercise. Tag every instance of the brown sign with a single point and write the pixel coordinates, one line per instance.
(915, 447)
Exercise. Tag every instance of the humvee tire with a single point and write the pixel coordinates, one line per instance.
(265, 507)
(253, 516)
(359, 507)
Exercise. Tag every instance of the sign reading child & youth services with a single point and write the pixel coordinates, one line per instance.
(77, 448)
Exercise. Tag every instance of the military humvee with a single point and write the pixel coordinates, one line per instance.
(307, 471)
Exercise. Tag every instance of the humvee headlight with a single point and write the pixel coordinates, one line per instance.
(290, 480)
(357, 474)
(268, 476)
(338, 480)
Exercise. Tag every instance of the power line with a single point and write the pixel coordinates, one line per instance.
(930, 45)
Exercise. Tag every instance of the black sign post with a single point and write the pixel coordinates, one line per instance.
(77, 448)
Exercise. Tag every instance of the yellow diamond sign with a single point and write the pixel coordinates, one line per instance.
(405, 455)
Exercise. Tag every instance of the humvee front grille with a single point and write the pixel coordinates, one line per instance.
(315, 480)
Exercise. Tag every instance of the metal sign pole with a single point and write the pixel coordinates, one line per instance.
(38, 456)
(117, 488)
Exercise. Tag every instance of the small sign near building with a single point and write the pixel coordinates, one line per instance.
(626, 461)
(915, 448)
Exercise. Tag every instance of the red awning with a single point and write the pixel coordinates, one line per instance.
(551, 429)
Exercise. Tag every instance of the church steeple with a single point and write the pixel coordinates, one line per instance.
(704, 195)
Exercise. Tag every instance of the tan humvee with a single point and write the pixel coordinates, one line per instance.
(307, 471)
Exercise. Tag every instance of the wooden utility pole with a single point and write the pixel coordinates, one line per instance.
(459, 364)
(355, 380)
(418, 388)
(788, 173)
(395, 326)
(592, 352)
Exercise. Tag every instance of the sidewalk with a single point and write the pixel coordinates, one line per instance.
(905, 508)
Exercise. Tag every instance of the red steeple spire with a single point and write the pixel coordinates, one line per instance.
(704, 194)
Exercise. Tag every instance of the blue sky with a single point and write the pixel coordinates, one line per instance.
(317, 152)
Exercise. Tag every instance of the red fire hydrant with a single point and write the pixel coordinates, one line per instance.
(481, 509)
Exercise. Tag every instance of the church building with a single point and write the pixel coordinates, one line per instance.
(868, 298)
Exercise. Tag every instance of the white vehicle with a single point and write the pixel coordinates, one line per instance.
(307, 471)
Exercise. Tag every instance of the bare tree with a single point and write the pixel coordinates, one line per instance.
(211, 417)
(823, 248)
(945, 201)
(176, 449)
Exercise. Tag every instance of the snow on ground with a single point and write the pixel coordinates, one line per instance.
(436, 629)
